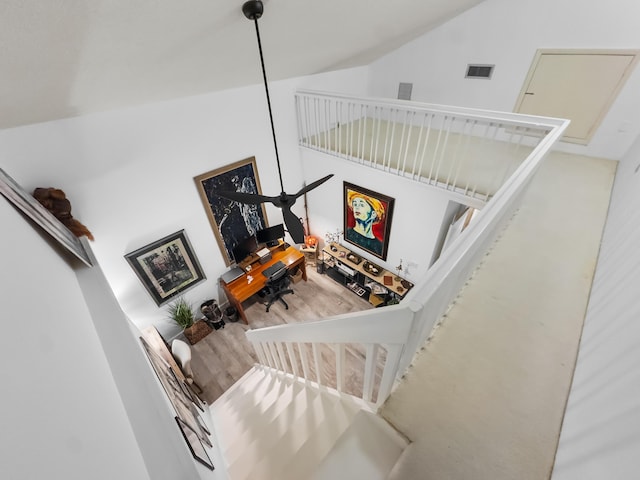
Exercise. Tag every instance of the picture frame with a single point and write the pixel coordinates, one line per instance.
(182, 404)
(26, 203)
(167, 267)
(232, 222)
(195, 445)
(367, 219)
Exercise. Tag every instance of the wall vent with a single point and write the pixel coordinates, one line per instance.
(479, 71)
(404, 91)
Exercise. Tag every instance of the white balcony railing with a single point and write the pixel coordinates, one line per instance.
(466, 151)
(388, 337)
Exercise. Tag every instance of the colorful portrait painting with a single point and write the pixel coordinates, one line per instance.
(367, 219)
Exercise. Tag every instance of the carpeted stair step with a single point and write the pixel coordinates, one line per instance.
(265, 456)
(369, 448)
(230, 408)
(270, 422)
(307, 438)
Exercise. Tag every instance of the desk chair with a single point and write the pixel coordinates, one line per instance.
(277, 286)
(181, 351)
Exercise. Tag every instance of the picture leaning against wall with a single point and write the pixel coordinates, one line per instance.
(367, 219)
(232, 222)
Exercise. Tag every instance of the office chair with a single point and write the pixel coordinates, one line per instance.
(277, 286)
(181, 351)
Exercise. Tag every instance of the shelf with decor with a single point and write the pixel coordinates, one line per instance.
(363, 277)
(310, 253)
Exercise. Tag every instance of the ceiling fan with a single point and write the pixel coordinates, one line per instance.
(253, 11)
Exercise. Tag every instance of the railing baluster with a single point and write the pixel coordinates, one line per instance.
(465, 153)
(299, 117)
(339, 127)
(303, 360)
(447, 130)
(317, 360)
(274, 356)
(435, 154)
(292, 359)
(455, 158)
(408, 142)
(377, 135)
(339, 349)
(369, 371)
(327, 125)
(418, 147)
(258, 347)
(359, 136)
(317, 120)
(310, 133)
(283, 360)
(425, 150)
(387, 140)
(389, 373)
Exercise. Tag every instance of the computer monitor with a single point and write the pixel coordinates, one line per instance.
(271, 235)
(245, 248)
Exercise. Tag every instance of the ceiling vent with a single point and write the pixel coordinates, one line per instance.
(404, 91)
(479, 71)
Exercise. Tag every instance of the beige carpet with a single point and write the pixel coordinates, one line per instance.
(486, 396)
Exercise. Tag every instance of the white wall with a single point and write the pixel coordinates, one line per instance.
(129, 173)
(507, 34)
(601, 431)
(61, 416)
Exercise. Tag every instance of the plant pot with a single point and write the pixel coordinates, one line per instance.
(197, 332)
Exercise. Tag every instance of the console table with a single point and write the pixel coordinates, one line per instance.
(362, 276)
(241, 288)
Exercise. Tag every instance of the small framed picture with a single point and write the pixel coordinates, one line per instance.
(166, 267)
(195, 445)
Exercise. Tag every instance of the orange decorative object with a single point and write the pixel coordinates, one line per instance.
(310, 241)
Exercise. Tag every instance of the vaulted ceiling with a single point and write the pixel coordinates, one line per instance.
(62, 58)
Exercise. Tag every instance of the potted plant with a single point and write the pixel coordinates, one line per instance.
(181, 312)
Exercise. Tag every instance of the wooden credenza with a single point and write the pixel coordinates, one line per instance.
(363, 277)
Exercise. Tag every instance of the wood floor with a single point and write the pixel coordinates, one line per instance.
(224, 355)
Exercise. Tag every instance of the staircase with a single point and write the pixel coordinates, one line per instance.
(275, 423)
(271, 425)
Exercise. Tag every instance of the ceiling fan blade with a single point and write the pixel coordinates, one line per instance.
(313, 185)
(294, 225)
(249, 198)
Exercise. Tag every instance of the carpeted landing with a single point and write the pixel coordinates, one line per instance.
(486, 396)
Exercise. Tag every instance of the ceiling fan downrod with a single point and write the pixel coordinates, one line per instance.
(253, 11)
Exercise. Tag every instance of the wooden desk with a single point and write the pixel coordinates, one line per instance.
(241, 289)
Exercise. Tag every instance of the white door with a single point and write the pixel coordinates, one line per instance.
(579, 85)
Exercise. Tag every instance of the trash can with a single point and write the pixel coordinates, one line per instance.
(231, 313)
(212, 313)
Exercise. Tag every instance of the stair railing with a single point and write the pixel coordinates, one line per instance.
(391, 335)
(379, 335)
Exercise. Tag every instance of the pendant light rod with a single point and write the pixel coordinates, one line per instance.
(253, 10)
